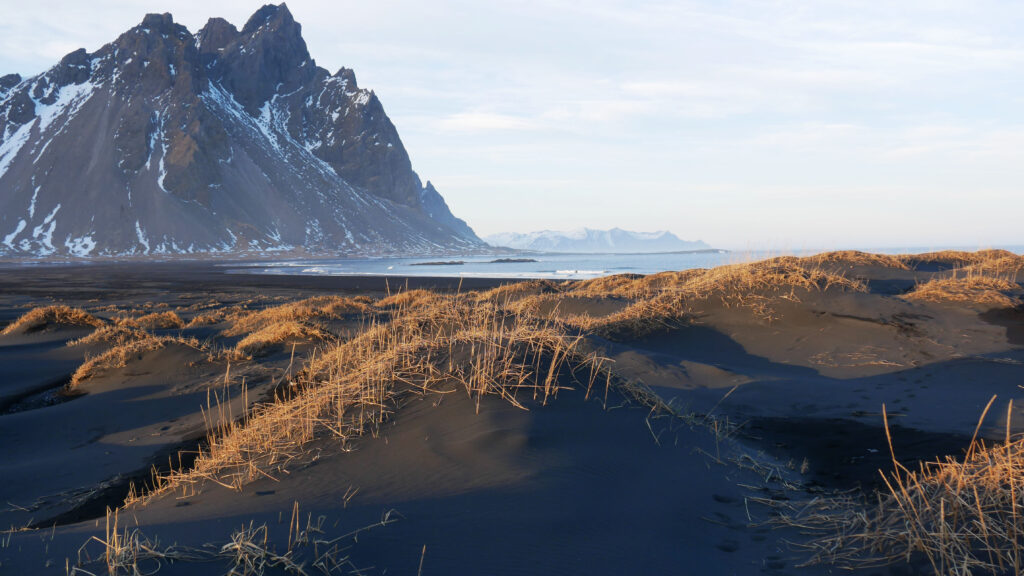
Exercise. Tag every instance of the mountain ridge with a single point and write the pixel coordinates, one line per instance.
(223, 141)
(588, 240)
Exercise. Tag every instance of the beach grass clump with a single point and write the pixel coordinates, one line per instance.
(310, 309)
(517, 290)
(991, 282)
(38, 319)
(961, 259)
(166, 320)
(643, 317)
(635, 286)
(625, 285)
(784, 277)
(207, 318)
(858, 258)
(125, 344)
(111, 334)
(665, 299)
(278, 333)
(963, 516)
(978, 289)
(407, 299)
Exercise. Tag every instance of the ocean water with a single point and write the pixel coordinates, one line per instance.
(550, 266)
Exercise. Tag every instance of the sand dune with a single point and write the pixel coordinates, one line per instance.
(654, 425)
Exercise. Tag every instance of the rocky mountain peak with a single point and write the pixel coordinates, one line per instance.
(160, 23)
(9, 81)
(348, 78)
(215, 36)
(267, 57)
(225, 141)
(276, 17)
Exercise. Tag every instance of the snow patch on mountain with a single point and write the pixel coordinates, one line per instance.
(69, 101)
(9, 239)
(10, 147)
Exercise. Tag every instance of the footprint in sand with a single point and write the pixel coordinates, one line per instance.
(728, 546)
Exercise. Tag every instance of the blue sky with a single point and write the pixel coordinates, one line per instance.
(750, 125)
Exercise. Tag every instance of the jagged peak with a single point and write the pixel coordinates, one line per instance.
(9, 81)
(218, 22)
(216, 35)
(76, 58)
(155, 26)
(160, 22)
(268, 57)
(276, 15)
(348, 76)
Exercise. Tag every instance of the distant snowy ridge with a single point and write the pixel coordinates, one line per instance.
(586, 240)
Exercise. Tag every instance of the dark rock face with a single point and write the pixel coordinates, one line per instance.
(225, 141)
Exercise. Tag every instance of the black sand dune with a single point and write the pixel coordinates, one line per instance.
(770, 397)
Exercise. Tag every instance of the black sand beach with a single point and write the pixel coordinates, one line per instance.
(706, 413)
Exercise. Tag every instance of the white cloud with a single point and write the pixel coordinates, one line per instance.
(485, 122)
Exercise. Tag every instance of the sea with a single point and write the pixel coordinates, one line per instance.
(534, 265)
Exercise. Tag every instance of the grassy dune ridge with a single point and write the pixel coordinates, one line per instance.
(353, 362)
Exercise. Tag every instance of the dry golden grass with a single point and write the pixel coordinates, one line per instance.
(990, 280)
(40, 318)
(110, 334)
(320, 307)
(516, 290)
(250, 550)
(115, 357)
(207, 318)
(959, 259)
(857, 258)
(627, 285)
(125, 345)
(667, 298)
(978, 289)
(352, 387)
(634, 286)
(963, 516)
(291, 322)
(783, 277)
(643, 317)
(281, 332)
(165, 320)
(409, 299)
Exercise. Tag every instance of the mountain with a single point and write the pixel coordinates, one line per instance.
(223, 141)
(586, 240)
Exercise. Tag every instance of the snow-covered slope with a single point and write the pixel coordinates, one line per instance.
(165, 142)
(615, 240)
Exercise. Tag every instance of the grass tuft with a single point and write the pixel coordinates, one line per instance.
(38, 319)
(166, 320)
(991, 282)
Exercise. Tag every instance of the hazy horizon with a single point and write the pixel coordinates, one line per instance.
(748, 126)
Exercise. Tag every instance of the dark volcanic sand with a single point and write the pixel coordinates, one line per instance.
(570, 487)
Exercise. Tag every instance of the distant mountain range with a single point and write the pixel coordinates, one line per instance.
(222, 141)
(586, 240)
